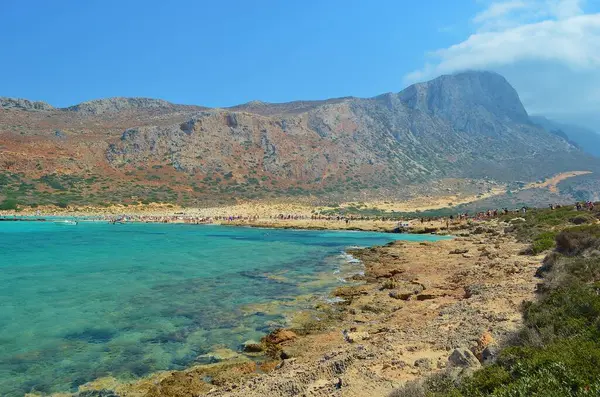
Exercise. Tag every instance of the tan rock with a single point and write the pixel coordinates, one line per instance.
(353, 337)
(279, 336)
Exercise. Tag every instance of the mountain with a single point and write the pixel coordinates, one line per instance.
(588, 140)
(118, 105)
(23, 104)
(469, 128)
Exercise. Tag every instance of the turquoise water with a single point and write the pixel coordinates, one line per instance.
(81, 302)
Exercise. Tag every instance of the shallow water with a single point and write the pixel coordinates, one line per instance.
(86, 301)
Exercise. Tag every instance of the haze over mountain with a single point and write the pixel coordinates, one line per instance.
(586, 139)
(468, 126)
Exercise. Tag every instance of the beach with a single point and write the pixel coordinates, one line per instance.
(416, 304)
(82, 301)
(256, 214)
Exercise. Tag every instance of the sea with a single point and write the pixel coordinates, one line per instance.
(81, 302)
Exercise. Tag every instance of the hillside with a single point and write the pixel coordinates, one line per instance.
(466, 127)
(587, 140)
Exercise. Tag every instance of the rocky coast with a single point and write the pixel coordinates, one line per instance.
(418, 308)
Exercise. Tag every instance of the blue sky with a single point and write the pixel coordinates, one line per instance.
(226, 53)
(218, 53)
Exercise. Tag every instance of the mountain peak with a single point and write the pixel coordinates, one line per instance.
(479, 92)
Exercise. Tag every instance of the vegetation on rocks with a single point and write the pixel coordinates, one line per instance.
(402, 145)
(557, 351)
(8, 204)
(540, 226)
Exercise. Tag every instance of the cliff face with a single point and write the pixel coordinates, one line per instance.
(469, 125)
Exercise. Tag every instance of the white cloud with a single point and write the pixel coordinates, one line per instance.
(497, 10)
(565, 8)
(511, 36)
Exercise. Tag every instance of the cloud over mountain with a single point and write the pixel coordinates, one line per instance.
(535, 44)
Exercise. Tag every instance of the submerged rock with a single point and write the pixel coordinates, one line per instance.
(219, 355)
(251, 346)
(97, 393)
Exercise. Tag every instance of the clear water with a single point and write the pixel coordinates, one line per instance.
(81, 302)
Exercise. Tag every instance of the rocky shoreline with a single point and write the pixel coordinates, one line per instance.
(420, 307)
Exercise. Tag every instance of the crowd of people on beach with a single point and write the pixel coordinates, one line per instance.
(400, 222)
(328, 217)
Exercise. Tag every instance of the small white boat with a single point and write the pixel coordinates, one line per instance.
(66, 222)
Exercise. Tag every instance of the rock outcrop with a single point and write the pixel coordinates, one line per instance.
(119, 104)
(23, 104)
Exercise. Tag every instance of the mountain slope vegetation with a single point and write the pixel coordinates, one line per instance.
(470, 125)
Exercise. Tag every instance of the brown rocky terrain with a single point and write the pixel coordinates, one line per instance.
(420, 308)
(464, 133)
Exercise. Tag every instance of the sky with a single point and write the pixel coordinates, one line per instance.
(226, 53)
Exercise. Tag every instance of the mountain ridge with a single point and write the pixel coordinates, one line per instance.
(585, 138)
(118, 103)
(470, 125)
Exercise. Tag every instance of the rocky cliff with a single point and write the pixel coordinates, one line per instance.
(468, 125)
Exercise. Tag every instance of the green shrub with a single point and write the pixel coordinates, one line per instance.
(573, 241)
(8, 204)
(567, 312)
(484, 381)
(557, 350)
(543, 242)
(583, 219)
(62, 204)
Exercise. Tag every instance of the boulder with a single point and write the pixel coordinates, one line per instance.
(463, 358)
(489, 355)
(401, 295)
(353, 337)
(424, 363)
(425, 297)
(279, 336)
(484, 341)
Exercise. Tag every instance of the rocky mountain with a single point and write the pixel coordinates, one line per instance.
(23, 104)
(468, 126)
(586, 139)
(117, 105)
